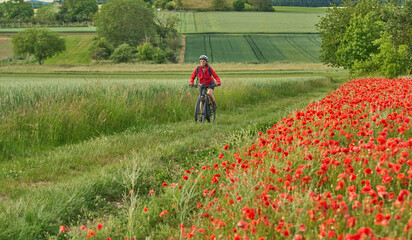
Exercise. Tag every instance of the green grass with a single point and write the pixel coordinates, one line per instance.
(82, 183)
(302, 48)
(247, 22)
(77, 50)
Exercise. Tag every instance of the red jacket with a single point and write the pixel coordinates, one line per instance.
(204, 76)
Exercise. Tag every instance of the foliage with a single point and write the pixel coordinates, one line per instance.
(78, 10)
(123, 53)
(262, 5)
(171, 5)
(238, 5)
(167, 32)
(16, 10)
(117, 22)
(368, 37)
(42, 43)
(47, 14)
(358, 42)
(162, 4)
(159, 56)
(100, 49)
(145, 51)
(219, 5)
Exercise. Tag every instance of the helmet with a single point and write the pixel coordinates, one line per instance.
(204, 57)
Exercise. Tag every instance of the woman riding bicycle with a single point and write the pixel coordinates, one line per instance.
(206, 75)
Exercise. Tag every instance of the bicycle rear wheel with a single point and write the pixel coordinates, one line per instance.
(199, 114)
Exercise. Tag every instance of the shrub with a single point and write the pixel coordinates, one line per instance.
(170, 5)
(122, 53)
(100, 49)
(145, 51)
(159, 56)
(238, 5)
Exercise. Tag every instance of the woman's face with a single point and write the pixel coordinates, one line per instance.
(203, 62)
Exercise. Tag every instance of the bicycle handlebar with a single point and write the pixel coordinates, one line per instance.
(204, 85)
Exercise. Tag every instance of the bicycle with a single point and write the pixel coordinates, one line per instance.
(204, 107)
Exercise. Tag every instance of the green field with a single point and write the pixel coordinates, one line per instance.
(77, 50)
(254, 48)
(247, 22)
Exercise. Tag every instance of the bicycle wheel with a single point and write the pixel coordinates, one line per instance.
(212, 113)
(206, 111)
(199, 113)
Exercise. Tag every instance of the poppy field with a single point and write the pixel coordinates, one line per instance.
(338, 169)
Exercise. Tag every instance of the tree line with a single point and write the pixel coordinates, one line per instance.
(368, 37)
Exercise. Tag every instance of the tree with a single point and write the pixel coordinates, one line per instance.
(42, 43)
(17, 10)
(78, 10)
(47, 14)
(219, 5)
(262, 5)
(334, 26)
(126, 21)
(238, 5)
(358, 42)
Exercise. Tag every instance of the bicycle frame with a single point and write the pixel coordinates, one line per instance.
(203, 108)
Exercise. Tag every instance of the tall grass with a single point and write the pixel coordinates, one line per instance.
(41, 114)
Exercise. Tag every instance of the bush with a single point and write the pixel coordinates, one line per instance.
(170, 5)
(100, 49)
(159, 56)
(170, 55)
(145, 52)
(122, 53)
(238, 5)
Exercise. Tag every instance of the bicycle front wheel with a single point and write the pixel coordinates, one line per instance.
(199, 115)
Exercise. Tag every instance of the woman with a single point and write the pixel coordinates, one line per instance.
(206, 75)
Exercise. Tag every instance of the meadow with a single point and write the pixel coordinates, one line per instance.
(74, 147)
(247, 22)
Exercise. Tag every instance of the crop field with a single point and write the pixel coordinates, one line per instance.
(247, 22)
(254, 48)
(74, 147)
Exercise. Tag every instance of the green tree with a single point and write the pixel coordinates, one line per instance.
(78, 10)
(100, 49)
(42, 43)
(122, 54)
(47, 14)
(17, 10)
(358, 42)
(332, 28)
(262, 5)
(219, 5)
(238, 5)
(126, 21)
